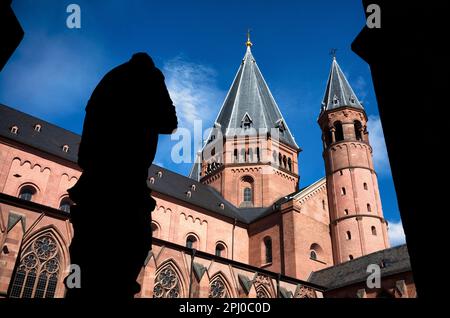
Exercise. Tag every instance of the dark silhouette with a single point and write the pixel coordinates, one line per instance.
(11, 32)
(112, 212)
(408, 58)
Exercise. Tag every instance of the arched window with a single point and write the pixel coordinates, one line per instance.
(38, 271)
(350, 257)
(284, 162)
(268, 249)
(365, 186)
(191, 241)
(246, 186)
(37, 127)
(250, 154)
(339, 132)
(217, 288)
(280, 159)
(358, 130)
(236, 159)
(220, 250)
(248, 195)
(374, 230)
(290, 164)
(65, 148)
(155, 230)
(65, 204)
(27, 193)
(349, 235)
(258, 156)
(369, 208)
(167, 283)
(343, 191)
(315, 251)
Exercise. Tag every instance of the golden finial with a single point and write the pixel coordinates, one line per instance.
(248, 43)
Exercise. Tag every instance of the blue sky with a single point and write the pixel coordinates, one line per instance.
(199, 46)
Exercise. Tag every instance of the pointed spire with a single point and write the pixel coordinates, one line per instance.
(250, 104)
(338, 92)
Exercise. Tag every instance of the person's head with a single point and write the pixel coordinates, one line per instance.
(142, 59)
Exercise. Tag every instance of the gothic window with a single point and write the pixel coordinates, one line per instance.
(374, 230)
(167, 283)
(65, 204)
(247, 195)
(261, 292)
(349, 235)
(369, 208)
(38, 271)
(218, 289)
(365, 186)
(27, 193)
(339, 132)
(358, 130)
(268, 249)
(290, 164)
(220, 250)
(191, 241)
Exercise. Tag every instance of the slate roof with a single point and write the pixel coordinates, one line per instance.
(395, 260)
(49, 139)
(249, 99)
(338, 92)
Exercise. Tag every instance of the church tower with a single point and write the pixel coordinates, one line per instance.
(356, 217)
(250, 156)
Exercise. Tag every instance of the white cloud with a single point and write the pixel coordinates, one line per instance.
(376, 137)
(396, 233)
(193, 90)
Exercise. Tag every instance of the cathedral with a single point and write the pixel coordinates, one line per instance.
(239, 226)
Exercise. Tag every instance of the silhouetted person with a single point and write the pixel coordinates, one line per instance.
(112, 212)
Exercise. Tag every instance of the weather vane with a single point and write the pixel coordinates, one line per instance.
(248, 43)
(333, 52)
